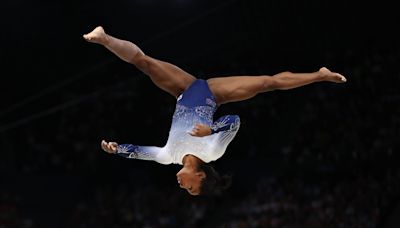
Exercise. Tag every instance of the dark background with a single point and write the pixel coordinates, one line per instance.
(323, 155)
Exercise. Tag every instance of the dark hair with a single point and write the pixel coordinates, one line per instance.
(213, 183)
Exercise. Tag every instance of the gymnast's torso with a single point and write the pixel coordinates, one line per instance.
(196, 105)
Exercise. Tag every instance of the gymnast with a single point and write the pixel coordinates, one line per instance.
(195, 139)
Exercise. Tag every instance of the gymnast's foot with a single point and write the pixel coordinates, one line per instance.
(97, 36)
(328, 75)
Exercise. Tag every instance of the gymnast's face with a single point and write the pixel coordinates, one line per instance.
(190, 180)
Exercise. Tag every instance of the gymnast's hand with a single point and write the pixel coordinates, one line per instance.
(110, 147)
(200, 130)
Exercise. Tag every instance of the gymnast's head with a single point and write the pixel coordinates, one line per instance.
(202, 179)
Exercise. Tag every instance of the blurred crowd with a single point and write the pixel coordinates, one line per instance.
(355, 201)
(318, 156)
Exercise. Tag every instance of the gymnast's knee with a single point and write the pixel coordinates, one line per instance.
(269, 83)
(142, 62)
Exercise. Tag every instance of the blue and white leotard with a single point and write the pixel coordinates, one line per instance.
(195, 105)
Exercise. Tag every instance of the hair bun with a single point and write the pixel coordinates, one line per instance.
(214, 183)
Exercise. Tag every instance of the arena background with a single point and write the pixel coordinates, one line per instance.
(324, 155)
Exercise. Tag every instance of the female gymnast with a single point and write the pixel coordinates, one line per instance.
(194, 139)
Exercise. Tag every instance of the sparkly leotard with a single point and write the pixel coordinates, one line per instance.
(195, 105)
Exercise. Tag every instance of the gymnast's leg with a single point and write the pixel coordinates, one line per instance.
(166, 76)
(239, 88)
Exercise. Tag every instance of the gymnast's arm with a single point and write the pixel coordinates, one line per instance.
(223, 124)
(151, 153)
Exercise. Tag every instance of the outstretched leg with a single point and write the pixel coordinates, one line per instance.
(166, 76)
(239, 88)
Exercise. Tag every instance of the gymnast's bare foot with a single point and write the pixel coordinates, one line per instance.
(97, 36)
(328, 75)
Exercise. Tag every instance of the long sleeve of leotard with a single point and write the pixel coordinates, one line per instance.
(151, 153)
(227, 126)
(225, 123)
